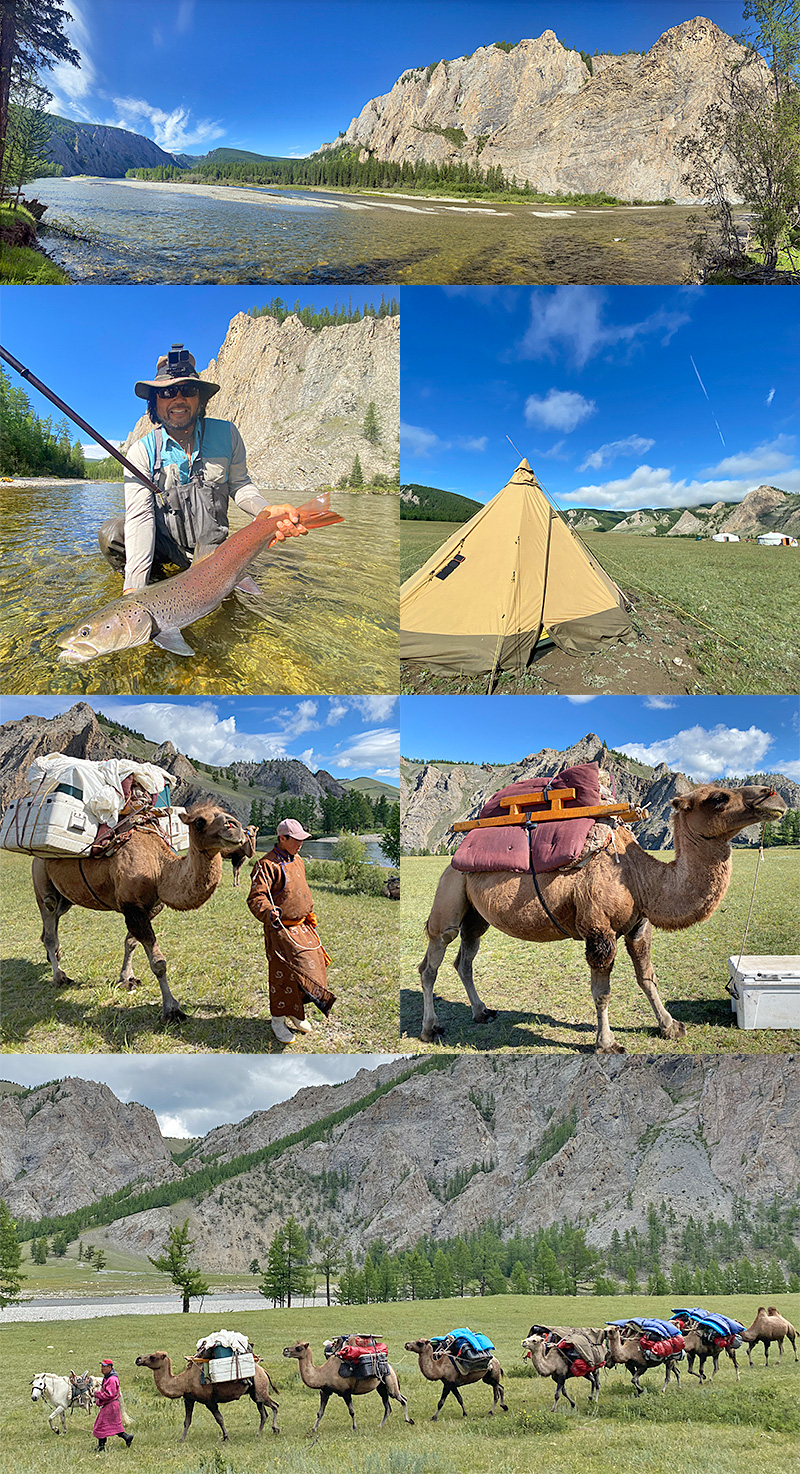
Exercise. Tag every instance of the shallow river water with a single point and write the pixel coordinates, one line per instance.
(105, 230)
(326, 621)
(67, 1309)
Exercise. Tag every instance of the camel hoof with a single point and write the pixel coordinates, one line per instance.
(611, 1049)
(62, 981)
(433, 1034)
(486, 1017)
(675, 1030)
(174, 1015)
(128, 984)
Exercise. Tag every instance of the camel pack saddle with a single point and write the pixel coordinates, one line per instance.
(541, 824)
(362, 1356)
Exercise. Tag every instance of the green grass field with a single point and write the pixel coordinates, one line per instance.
(543, 995)
(217, 971)
(732, 1428)
(739, 603)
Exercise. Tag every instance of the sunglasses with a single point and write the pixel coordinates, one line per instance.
(186, 391)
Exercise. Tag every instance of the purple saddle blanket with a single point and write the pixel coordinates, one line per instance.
(506, 846)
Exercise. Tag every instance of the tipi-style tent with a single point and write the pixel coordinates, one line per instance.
(512, 576)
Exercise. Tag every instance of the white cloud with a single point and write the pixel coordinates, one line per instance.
(653, 486)
(336, 711)
(770, 396)
(302, 717)
(633, 445)
(173, 131)
(200, 733)
(561, 409)
(392, 775)
(706, 754)
(170, 1125)
(570, 320)
(659, 703)
(792, 770)
(379, 748)
(418, 442)
(772, 455)
(95, 452)
(468, 443)
(374, 708)
(580, 700)
(185, 17)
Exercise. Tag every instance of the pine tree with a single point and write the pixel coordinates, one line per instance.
(174, 1261)
(10, 1259)
(356, 475)
(371, 428)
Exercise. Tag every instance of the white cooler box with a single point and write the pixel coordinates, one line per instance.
(56, 825)
(765, 992)
(60, 825)
(232, 1368)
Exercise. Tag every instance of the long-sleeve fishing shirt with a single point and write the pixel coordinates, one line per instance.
(225, 476)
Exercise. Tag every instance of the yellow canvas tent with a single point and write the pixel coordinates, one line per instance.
(512, 576)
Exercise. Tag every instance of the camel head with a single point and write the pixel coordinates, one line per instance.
(298, 1350)
(154, 1360)
(214, 831)
(711, 812)
(417, 1346)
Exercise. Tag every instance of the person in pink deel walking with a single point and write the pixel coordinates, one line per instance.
(108, 1423)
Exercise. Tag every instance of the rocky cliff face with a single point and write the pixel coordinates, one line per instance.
(280, 776)
(692, 1132)
(66, 1145)
(434, 795)
(765, 509)
(538, 112)
(76, 732)
(90, 148)
(300, 398)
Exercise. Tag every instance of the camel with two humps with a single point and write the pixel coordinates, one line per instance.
(138, 880)
(329, 1382)
(189, 1385)
(442, 1368)
(617, 894)
(623, 1349)
(769, 1326)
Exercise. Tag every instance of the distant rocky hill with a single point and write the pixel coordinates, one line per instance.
(434, 794)
(80, 733)
(561, 119)
(430, 504)
(450, 1150)
(300, 399)
(765, 509)
(91, 148)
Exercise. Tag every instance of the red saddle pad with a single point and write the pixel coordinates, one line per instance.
(557, 843)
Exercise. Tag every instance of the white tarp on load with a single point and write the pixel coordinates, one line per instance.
(232, 1339)
(100, 782)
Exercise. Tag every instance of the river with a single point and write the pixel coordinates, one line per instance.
(70, 1309)
(325, 623)
(106, 230)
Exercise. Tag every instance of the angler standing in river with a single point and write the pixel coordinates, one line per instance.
(280, 898)
(200, 465)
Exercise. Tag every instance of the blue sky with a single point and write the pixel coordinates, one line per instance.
(620, 397)
(349, 736)
(91, 346)
(282, 78)
(705, 737)
(197, 1092)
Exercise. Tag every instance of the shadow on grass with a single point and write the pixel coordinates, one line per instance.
(695, 1011)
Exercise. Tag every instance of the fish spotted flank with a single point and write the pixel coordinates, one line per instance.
(159, 612)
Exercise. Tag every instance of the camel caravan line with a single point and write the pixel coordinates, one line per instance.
(548, 860)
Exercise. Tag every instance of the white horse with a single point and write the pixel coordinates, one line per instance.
(62, 1394)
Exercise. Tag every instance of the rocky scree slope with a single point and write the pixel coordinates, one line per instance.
(299, 399)
(539, 113)
(92, 148)
(692, 1132)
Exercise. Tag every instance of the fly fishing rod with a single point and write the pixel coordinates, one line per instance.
(84, 424)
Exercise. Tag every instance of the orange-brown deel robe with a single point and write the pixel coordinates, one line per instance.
(297, 960)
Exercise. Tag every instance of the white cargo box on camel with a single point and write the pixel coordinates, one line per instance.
(73, 797)
(765, 991)
(231, 1367)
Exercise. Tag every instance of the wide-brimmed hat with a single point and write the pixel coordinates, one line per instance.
(172, 367)
(293, 829)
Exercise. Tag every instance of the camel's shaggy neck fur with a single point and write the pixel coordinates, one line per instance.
(687, 889)
(188, 881)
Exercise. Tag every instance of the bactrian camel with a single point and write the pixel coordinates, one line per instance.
(329, 1382)
(138, 879)
(187, 1384)
(619, 893)
(442, 1369)
(627, 1352)
(548, 1361)
(768, 1326)
(696, 1347)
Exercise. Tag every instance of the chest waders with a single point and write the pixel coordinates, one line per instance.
(191, 521)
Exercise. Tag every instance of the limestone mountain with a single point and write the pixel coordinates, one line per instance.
(446, 1151)
(300, 399)
(563, 120)
(284, 776)
(76, 732)
(765, 509)
(68, 1143)
(434, 794)
(92, 148)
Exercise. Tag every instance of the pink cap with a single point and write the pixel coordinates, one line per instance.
(293, 829)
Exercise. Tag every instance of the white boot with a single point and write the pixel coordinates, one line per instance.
(300, 1025)
(279, 1029)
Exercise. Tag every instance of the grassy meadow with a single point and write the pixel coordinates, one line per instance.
(728, 1426)
(542, 991)
(739, 603)
(216, 969)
